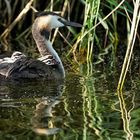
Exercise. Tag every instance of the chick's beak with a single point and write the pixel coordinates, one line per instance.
(69, 23)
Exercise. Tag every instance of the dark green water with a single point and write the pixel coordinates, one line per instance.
(85, 106)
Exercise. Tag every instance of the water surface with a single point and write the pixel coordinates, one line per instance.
(86, 106)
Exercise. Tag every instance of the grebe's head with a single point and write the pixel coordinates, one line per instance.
(16, 55)
(52, 20)
(49, 60)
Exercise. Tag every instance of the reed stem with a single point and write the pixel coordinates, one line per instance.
(131, 41)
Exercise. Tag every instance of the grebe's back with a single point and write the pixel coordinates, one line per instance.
(29, 68)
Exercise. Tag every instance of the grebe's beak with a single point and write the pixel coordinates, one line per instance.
(69, 23)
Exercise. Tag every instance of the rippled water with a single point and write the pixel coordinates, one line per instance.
(86, 106)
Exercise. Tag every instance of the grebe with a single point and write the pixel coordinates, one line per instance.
(16, 55)
(49, 65)
(7, 62)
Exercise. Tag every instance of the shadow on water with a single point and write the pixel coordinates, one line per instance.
(85, 106)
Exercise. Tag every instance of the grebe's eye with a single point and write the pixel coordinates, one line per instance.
(48, 62)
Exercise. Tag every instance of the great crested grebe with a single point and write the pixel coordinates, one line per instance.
(7, 62)
(49, 65)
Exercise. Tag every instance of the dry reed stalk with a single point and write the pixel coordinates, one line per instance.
(131, 41)
(9, 11)
(19, 17)
(62, 14)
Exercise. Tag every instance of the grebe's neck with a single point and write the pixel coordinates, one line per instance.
(55, 55)
(41, 37)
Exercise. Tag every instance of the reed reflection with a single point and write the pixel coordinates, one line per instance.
(126, 117)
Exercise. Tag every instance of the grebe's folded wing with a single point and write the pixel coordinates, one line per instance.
(30, 68)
